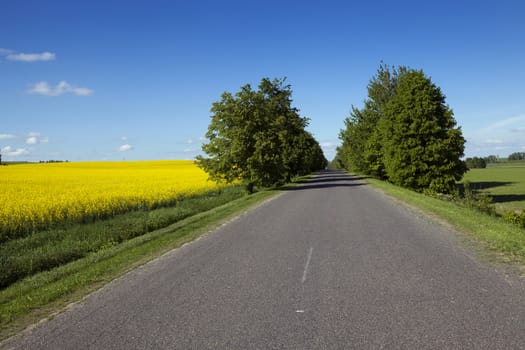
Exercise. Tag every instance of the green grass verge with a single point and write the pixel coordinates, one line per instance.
(33, 298)
(498, 236)
(50, 248)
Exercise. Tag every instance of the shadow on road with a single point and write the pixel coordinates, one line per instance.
(336, 178)
(326, 179)
(319, 185)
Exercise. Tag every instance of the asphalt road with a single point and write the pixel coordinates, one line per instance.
(331, 264)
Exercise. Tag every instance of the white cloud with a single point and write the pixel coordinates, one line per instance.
(31, 57)
(189, 141)
(7, 136)
(18, 152)
(32, 140)
(518, 130)
(8, 151)
(124, 138)
(124, 148)
(82, 91)
(43, 88)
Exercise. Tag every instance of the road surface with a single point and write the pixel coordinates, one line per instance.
(330, 264)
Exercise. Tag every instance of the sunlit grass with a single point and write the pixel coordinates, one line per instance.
(504, 182)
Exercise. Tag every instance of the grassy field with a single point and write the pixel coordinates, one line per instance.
(504, 182)
(54, 247)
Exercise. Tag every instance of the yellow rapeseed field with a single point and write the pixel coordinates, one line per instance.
(33, 196)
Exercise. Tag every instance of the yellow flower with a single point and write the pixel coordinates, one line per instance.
(35, 196)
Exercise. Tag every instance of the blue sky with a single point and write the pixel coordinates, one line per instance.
(135, 79)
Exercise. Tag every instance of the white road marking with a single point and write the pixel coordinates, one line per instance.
(300, 311)
(305, 272)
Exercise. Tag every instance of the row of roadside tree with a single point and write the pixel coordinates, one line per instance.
(256, 136)
(405, 133)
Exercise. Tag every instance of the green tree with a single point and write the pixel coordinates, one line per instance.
(421, 145)
(491, 159)
(475, 162)
(516, 156)
(258, 137)
(354, 138)
(362, 148)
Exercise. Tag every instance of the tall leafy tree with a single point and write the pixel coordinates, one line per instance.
(361, 149)
(258, 137)
(354, 137)
(405, 133)
(380, 90)
(421, 144)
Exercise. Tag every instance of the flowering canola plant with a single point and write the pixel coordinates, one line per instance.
(35, 196)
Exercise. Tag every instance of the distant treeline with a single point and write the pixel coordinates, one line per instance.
(481, 162)
(26, 162)
(54, 161)
(512, 156)
(517, 156)
(476, 162)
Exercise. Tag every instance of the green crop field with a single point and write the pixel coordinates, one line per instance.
(504, 182)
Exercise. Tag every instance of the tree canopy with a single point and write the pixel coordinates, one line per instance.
(405, 133)
(258, 137)
(361, 148)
